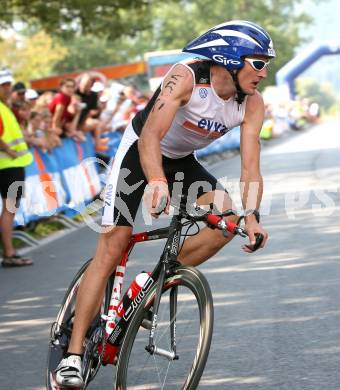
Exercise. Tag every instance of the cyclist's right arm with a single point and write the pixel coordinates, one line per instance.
(176, 91)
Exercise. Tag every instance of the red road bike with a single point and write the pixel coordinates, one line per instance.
(160, 335)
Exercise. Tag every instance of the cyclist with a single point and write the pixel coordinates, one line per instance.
(199, 101)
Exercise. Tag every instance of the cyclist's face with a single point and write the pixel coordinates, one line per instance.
(249, 78)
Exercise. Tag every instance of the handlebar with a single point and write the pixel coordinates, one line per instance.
(217, 221)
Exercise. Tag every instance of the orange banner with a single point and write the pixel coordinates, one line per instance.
(111, 72)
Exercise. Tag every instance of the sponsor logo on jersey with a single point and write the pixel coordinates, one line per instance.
(203, 92)
(203, 80)
(225, 61)
(211, 125)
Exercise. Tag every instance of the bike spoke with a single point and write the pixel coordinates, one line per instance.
(158, 372)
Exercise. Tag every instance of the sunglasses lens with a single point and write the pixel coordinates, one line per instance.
(259, 65)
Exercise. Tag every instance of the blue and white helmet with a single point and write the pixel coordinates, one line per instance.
(228, 43)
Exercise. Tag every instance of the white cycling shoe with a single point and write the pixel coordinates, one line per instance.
(69, 373)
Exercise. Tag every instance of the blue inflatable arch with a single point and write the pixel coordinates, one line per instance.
(288, 73)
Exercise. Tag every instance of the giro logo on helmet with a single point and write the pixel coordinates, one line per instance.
(271, 52)
(225, 61)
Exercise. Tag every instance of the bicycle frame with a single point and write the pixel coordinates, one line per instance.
(164, 268)
(168, 260)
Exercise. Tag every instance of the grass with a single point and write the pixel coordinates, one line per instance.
(46, 228)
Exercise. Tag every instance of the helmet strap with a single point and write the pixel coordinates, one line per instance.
(240, 95)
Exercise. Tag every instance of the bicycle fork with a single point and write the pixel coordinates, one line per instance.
(152, 347)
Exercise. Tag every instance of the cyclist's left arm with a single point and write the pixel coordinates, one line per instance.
(251, 180)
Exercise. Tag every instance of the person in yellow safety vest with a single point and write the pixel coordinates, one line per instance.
(14, 156)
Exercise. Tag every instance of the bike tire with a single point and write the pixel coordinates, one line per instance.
(59, 342)
(186, 278)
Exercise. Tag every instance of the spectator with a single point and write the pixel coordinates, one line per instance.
(112, 116)
(141, 102)
(88, 97)
(14, 156)
(31, 97)
(102, 103)
(314, 112)
(65, 123)
(18, 92)
(90, 109)
(129, 109)
(17, 97)
(34, 134)
(24, 112)
(44, 101)
(280, 124)
(53, 139)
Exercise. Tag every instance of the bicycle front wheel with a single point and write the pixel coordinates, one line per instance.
(193, 323)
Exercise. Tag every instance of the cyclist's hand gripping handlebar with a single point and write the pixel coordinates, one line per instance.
(258, 241)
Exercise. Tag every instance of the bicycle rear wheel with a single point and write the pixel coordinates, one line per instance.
(137, 369)
(61, 330)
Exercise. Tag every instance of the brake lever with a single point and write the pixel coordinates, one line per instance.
(241, 232)
(236, 231)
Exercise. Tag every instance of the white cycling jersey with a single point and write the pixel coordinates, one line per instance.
(203, 119)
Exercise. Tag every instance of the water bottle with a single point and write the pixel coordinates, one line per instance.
(131, 293)
(127, 306)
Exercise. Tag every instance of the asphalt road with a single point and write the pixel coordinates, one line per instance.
(277, 312)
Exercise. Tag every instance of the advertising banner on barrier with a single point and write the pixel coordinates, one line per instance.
(63, 180)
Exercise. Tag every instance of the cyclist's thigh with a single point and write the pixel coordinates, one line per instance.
(125, 184)
(111, 246)
(115, 235)
(221, 200)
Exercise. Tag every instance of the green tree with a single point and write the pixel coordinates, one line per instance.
(86, 52)
(121, 31)
(67, 17)
(31, 57)
(174, 25)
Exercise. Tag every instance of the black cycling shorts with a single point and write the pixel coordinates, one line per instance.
(12, 182)
(126, 182)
